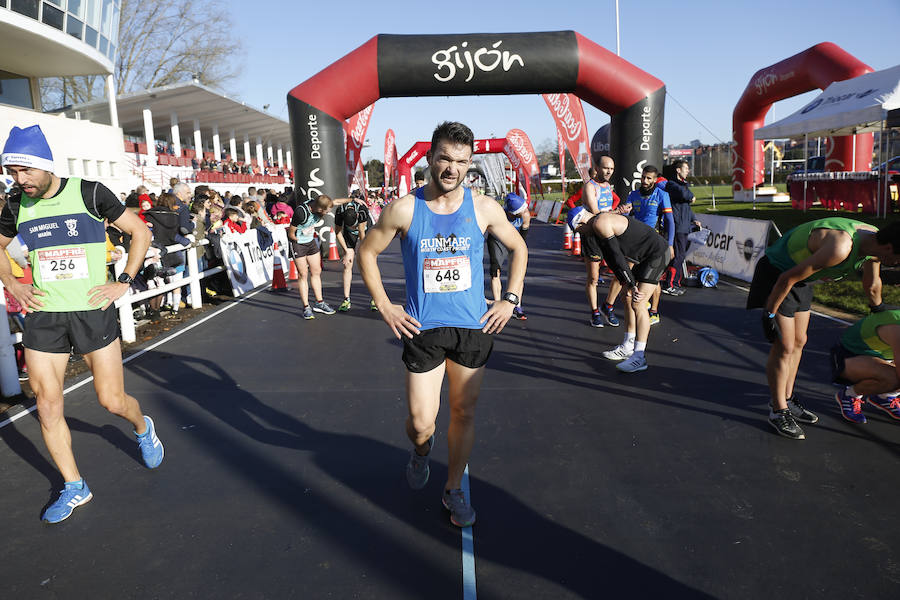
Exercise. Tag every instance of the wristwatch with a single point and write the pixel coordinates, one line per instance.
(125, 278)
(511, 298)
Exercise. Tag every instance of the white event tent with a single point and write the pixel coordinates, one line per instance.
(859, 105)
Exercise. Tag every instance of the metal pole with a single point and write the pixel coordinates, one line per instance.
(805, 167)
(618, 46)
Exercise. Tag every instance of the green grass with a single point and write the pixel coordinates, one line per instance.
(848, 296)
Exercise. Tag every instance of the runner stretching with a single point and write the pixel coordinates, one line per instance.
(824, 249)
(61, 221)
(446, 326)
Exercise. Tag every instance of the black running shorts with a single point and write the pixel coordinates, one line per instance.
(59, 332)
(651, 269)
(838, 358)
(799, 298)
(497, 253)
(467, 347)
(300, 250)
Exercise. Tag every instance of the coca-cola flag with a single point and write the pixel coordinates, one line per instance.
(569, 117)
(520, 143)
(561, 144)
(356, 130)
(390, 161)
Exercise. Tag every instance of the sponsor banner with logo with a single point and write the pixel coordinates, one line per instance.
(356, 130)
(248, 265)
(570, 123)
(521, 145)
(733, 245)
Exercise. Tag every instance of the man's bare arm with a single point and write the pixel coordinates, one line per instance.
(832, 251)
(26, 295)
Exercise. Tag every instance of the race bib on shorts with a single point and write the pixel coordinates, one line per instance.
(452, 274)
(63, 264)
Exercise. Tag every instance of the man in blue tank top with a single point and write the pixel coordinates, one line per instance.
(446, 326)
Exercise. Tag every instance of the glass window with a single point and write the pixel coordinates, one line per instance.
(76, 7)
(112, 53)
(90, 37)
(114, 33)
(53, 16)
(59, 3)
(29, 8)
(15, 90)
(74, 26)
(104, 45)
(106, 21)
(92, 18)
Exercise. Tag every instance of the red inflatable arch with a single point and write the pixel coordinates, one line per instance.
(465, 65)
(816, 67)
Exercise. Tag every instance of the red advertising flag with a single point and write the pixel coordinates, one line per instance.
(389, 152)
(356, 136)
(520, 143)
(561, 143)
(570, 122)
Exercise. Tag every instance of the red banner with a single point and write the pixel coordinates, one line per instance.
(570, 123)
(520, 143)
(356, 130)
(561, 143)
(390, 161)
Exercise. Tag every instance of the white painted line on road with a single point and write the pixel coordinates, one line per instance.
(468, 548)
(90, 378)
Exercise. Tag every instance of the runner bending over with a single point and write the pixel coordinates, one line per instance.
(446, 326)
(637, 256)
(517, 214)
(350, 221)
(824, 249)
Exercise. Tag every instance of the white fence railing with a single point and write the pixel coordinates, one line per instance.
(126, 303)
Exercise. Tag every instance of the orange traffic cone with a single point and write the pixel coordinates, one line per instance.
(332, 247)
(567, 240)
(292, 272)
(576, 247)
(278, 282)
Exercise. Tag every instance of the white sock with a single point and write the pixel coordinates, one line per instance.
(629, 340)
(640, 346)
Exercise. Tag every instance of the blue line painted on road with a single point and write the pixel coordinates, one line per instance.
(468, 548)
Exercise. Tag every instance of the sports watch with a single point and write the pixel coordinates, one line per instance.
(125, 278)
(511, 298)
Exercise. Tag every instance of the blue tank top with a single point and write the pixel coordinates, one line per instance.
(604, 196)
(442, 256)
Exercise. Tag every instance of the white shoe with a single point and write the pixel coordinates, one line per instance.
(637, 362)
(620, 352)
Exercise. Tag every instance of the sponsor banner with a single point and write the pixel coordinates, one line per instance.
(600, 144)
(530, 169)
(356, 130)
(561, 146)
(680, 152)
(733, 245)
(544, 207)
(390, 161)
(319, 163)
(248, 265)
(570, 123)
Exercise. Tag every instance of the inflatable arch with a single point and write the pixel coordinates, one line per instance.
(472, 64)
(816, 67)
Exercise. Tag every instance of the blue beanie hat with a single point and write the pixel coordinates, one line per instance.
(28, 148)
(515, 204)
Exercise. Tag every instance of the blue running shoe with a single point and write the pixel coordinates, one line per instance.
(851, 406)
(890, 405)
(151, 448)
(417, 469)
(609, 316)
(308, 313)
(74, 494)
(461, 512)
(596, 319)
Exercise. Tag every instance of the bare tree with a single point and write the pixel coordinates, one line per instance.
(160, 43)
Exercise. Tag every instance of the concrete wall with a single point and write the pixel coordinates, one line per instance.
(80, 148)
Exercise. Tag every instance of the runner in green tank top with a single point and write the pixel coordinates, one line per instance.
(829, 248)
(864, 362)
(62, 222)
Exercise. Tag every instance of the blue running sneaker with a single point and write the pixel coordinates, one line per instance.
(851, 406)
(74, 494)
(609, 316)
(151, 448)
(308, 313)
(321, 306)
(890, 405)
(461, 512)
(596, 319)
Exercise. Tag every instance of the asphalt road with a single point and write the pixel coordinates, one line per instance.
(285, 455)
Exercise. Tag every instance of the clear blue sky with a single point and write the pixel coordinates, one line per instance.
(704, 50)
